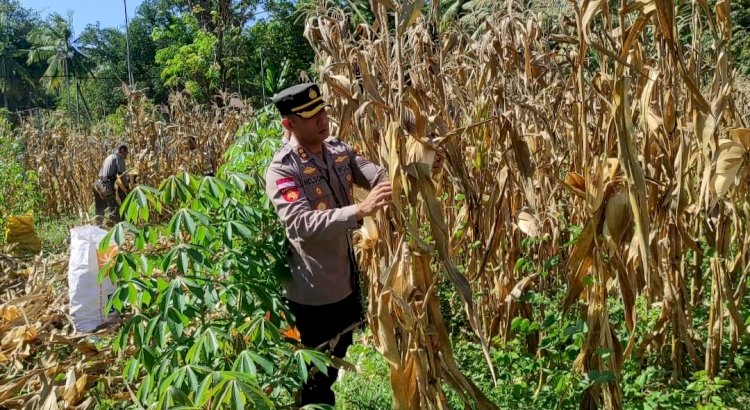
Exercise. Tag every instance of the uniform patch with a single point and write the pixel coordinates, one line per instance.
(302, 153)
(341, 158)
(288, 188)
(309, 170)
(322, 206)
(290, 194)
(349, 178)
(319, 191)
(285, 183)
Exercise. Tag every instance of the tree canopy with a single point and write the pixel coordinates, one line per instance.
(202, 47)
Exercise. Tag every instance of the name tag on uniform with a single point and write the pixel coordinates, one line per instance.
(313, 180)
(342, 169)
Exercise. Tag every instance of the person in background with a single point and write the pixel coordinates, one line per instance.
(107, 197)
(201, 158)
(310, 181)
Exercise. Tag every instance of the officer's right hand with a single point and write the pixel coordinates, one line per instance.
(379, 197)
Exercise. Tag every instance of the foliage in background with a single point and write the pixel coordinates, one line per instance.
(192, 64)
(205, 52)
(175, 45)
(19, 84)
(13, 75)
(741, 35)
(106, 47)
(286, 55)
(53, 42)
(236, 36)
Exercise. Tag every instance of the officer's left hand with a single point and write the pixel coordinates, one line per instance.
(379, 197)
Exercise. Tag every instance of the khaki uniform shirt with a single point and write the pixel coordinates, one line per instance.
(315, 201)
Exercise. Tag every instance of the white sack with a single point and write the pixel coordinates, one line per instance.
(88, 298)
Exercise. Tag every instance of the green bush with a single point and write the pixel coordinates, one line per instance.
(18, 187)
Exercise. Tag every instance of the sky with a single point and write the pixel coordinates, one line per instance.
(110, 13)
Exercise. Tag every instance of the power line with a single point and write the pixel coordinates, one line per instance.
(95, 77)
(72, 76)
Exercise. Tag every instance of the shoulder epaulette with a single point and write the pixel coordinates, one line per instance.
(281, 152)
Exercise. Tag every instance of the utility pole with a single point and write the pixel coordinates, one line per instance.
(262, 76)
(239, 81)
(127, 43)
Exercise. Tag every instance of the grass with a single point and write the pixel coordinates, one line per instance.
(369, 388)
(644, 387)
(55, 232)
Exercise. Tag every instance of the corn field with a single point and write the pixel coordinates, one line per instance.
(622, 118)
(68, 160)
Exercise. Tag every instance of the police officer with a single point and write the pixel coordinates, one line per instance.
(310, 181)
(105, 195)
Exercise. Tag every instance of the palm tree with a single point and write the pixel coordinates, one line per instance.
(13, 76)
(53, 42)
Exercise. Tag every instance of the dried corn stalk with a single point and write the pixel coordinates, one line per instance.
(36, 330)
(68, 160)
(399, 128)
(526, 113)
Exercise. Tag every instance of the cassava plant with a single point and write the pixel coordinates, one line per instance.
(204, 324)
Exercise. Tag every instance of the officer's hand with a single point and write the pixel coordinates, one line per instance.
(379, 197)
